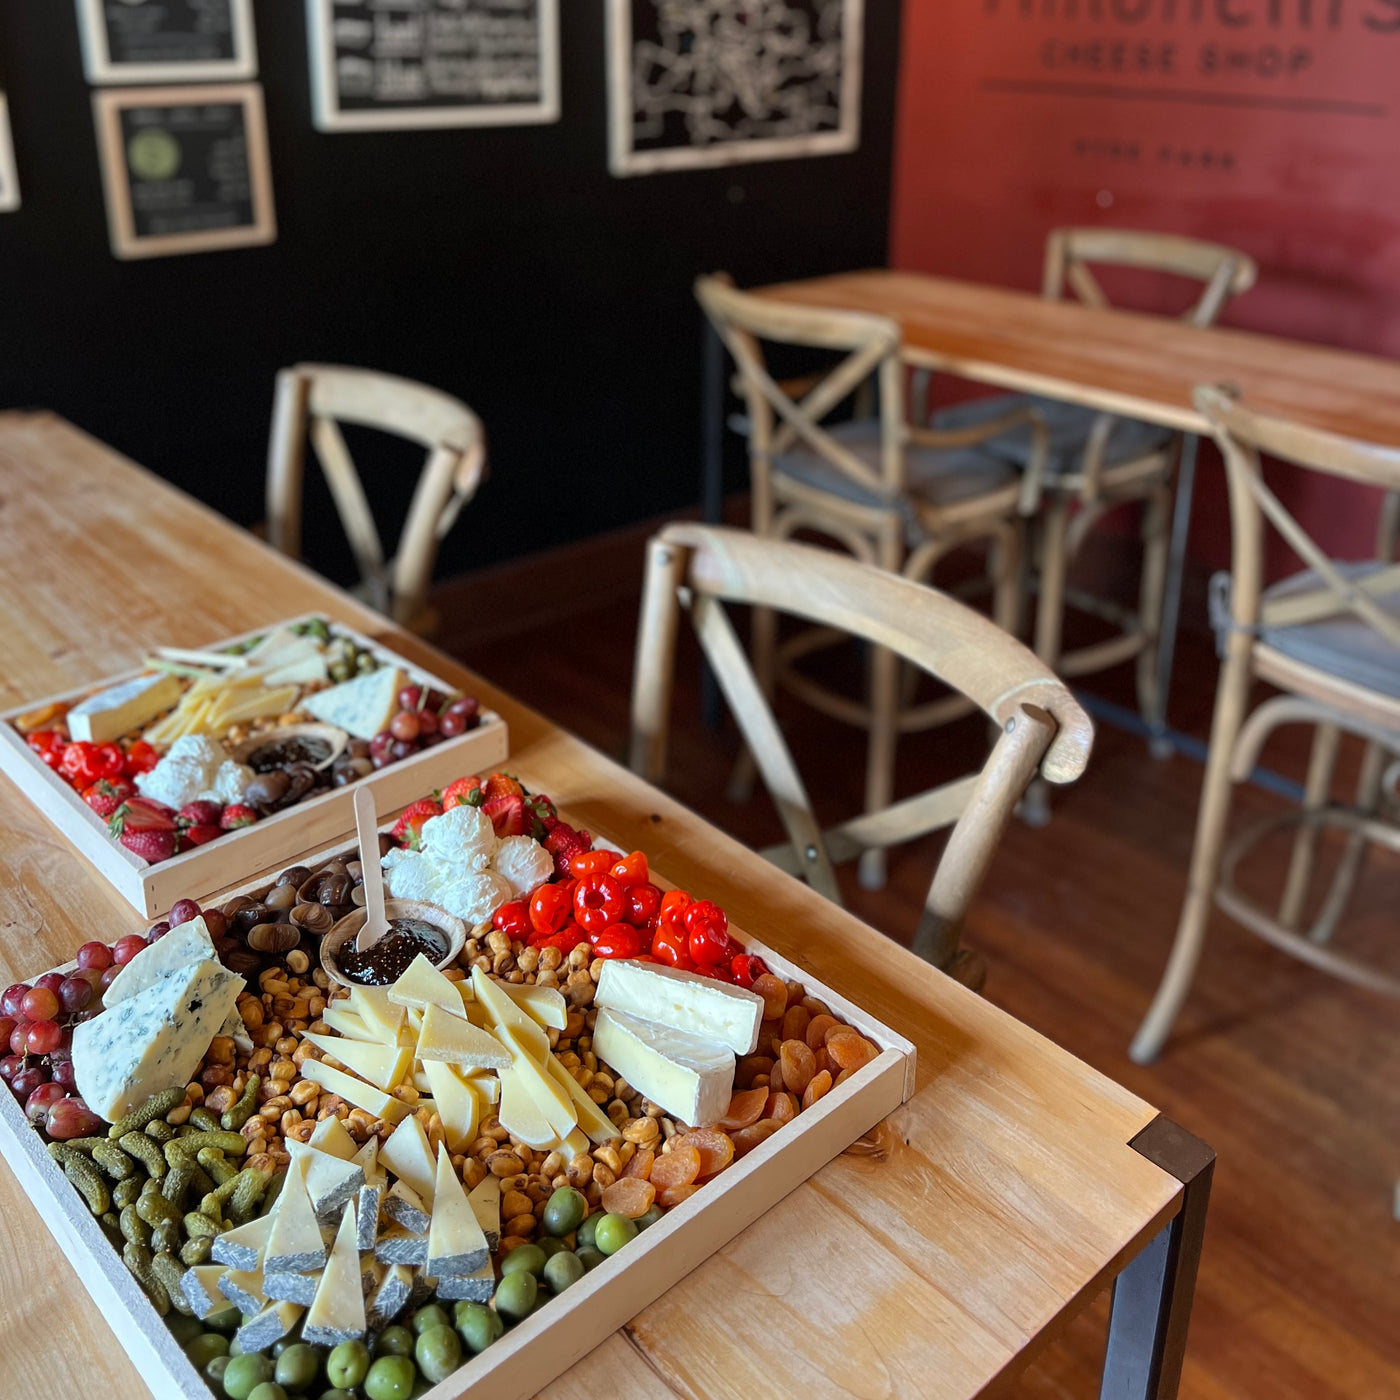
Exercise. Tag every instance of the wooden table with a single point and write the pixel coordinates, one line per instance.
(1013, 1187)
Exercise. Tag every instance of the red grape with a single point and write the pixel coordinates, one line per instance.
(380, 743)
(10, 1002)
(466, 705)
(71, 1118)
(109, 975)
(429, 741)
(181, 912)
(401, 749)
(63, 1073)
(427, 724)
(87, 1015)
(216, 923)
(451, 725)
(11, 1066)
(28, 1079)
(37, 1105)
(124, 949)
(96, 955)
(75, 993)
(404, 725)
(40, 1004)
(19, 1038)
(380, 760)
(44, 1036)
(52, 980)
(158, 931)
(410, 697)
(7, 1028)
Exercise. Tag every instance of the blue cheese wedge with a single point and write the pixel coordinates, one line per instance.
(269, 1326)
(476, 1287)
(244, 1289)
(485, 1199)
(200, 1285)
(185, 945)
(389, 1297)
(291, 1288)
(399, 1246)
(685, 1001)
(330, 1181)
(110, 713)
(456, 1242)
(153, 1040)
(338, 1312)
(362, 707)
(692, 1079)
(242, 1247)
(295, 1245)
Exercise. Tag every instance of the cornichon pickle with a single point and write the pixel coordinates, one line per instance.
(153, 1208)
(197, 1251)
(88, 1180)
(157, 1106)
(160, 1130)
(138, 1260)
(198, 1225)
(205, 1119)
(113, 1160)
(237, 1115)
(111, 1227)
(84, 1145)
(134, 1229)
(188, 1148)
(125, 1193)
(167, 1237)
(169, 1273)
(274, 1189)
(247, 1192)
(146, 1150)
(176, 1183)
(201, 1182)
(217, 1165)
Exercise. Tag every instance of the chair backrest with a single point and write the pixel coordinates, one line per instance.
(1069, 252)
(312, 400)
(777, 420)
(1043, 729)
(1243, 436)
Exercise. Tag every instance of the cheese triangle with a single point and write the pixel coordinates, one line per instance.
(382, 1065)
(337, 1313)
(295, 1245)
(456, 1243)
(422, 986)
(457, 1042)
(457, 1104)
(504, 1012)
(406, 1153)
(330, 1136)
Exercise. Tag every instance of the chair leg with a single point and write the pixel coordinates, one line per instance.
(739, 789)
(1230, 702)
(1368, 792)
(1321, 765)
(884, 726)
(1049, 622)
(1156, 542)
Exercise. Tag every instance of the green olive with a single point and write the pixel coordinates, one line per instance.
(438, 1353)
(553, 1244)
(565, 1211)
(214, 1370)
(245, 1373)
(477, 1325)
(590, 1257)
(645, 1222)
(268, 1390)
(394, 1341)
(347, 1364)
(586, 1232)
(205, 1347)
(298, 1366)
(527, 1257)
(614, 1231)
(391, 1378)
(562, 1270)
(516, 1294)
(225, 1320)
(336, 1395)
(430, 1315)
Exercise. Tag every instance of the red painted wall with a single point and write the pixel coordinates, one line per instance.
(1271, 125)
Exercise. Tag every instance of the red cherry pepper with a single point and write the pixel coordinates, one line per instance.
(617, 941)
(49, 744)
(513, 919)
(81, 765)
(598, 901)
(549, 909)
(745, 968)
(643, 906)
(591, 862)
(141, 757)
(669, 946)
(631, 870)
(566, 940)
(673, 902)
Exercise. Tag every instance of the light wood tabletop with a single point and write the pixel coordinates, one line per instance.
(989, 1209)
(1119, 361)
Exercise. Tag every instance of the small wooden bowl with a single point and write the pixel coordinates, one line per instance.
(345, 930)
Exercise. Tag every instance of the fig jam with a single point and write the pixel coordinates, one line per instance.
(388, 960)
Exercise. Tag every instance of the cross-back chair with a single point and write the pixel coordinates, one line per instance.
(312, 401)
(1099, 461)
(893, 495)
(1041, 727)
(1329, 640)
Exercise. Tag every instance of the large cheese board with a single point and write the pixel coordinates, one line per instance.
(552, 1196)
(204, 767)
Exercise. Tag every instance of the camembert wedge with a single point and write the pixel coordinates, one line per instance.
(692, 1079)
(685, 1001)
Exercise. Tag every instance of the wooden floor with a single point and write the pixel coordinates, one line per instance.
(1292, 1077)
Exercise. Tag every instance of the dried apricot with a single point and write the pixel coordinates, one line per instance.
(850, 1051)
(774, 992)
(744, 1108)
(629, 1196)
(820, 1084)
(840, 1028)
(746, 1139)
(716, 1149)
(678, 1167)
(817, 1028)
(823, 1059)
(799, 1065)
(674, 1195)
(640, 1165)
(781, 1108)
(795, 992)
(841, 1078)
(795, 1022)
(749, 1068)
(816, 1007)
(775, 1078)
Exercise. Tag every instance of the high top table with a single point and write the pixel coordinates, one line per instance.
(936, 1262)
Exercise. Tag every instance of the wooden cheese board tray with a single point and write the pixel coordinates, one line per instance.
(276, 839)
(544, 1345)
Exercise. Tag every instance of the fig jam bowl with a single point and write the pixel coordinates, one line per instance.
(414, 927)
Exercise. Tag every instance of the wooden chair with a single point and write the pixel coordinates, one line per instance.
(1099, 461)
(312, 400)
(1329, 640)
(1041, 727)
(895, 496)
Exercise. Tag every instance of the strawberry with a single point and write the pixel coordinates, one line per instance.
(107, 794)
(459, 793)
(408, 830)
(501, 785)
(201, 832)
(562, 842)
(507, 813)
(140, 814)
(540, 817)
(199, 813)
(150, 843)
(236, 815)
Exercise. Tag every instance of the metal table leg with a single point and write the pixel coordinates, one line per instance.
(1159, 744)
(711, 478)
(1152, 1296)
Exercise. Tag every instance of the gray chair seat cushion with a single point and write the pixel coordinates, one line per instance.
(1069, 425)
(1342, 645)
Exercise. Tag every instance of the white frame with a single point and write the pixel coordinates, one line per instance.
(9, 174)
(100, 67)
(328, 116)
(107, 108)
(624, 159)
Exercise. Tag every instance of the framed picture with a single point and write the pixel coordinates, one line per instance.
(433, 63)
(153, 41)
(9, 178)
(185, 169)
(721, 82)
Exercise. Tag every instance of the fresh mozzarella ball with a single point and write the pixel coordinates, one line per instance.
(462, 836)
(472, 896)
(523, 863)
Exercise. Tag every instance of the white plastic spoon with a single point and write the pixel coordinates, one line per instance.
(376, 922)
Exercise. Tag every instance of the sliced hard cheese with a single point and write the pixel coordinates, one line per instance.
(200, 1285)
(399, 1246)
(594, 1122)
(295, 1245)
(485, 1199)
(352, 1026)
(389, 1297)
(422, 986)
(338, 1312)
(520, 1115)
(485, 1085)
(111, 713)
(352, 1090)
(550, 1098)
(502, 1011)
(330, 1181)
(153, 1040)
(233, 706)
(456, 1041)
(374, 1008)
(457, 1104)
(363, 706)
(476, 1287)
(291, 1288)
(245, 1289)
(183, 946)
(545, 1004)
(406, 1153)
(269, 1326)
(456, 1242)
(692, 1079)
(367, 1159)
(685, 1001)
(242, 1247)
(329, 1135)
(367, 1216)
(382, 1065)
(403, 1204)
(574, 1144)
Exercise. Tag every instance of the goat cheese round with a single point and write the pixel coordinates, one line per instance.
(463, 836)
(523, 863)
(196, 766)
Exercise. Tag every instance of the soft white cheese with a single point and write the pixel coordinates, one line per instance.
(688, 1001)
(462, 835)
(692, 1079)
(523, 863)
(196, 767)
(111, 713)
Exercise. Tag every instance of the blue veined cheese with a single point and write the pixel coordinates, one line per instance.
(111, 713)
(686, 1001)
(183, 946)
(692, 1079)
(362, 707)
(152, 1041)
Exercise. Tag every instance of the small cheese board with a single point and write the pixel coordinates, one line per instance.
(204, 767)
(424, 1177)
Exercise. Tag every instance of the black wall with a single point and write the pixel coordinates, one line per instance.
(503, 265)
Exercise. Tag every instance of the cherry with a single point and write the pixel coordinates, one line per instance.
(405, 725)
(401, 749)
(427, 724)
(450, 725)
(411, 697)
